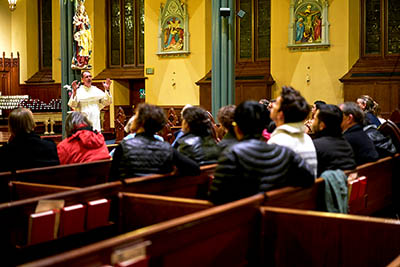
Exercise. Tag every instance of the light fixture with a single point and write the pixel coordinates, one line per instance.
(12, 4)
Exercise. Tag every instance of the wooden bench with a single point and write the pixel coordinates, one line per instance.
(243, 233)
(128, 211)
(226, 235)
(309, 238)
(378, 195)
(172, 184)
(77, 174)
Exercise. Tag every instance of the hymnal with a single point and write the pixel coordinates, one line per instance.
(42, 227)
(98, 212)
(72, 220)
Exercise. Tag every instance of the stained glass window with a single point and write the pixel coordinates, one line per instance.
(126, 37)
(253, 42)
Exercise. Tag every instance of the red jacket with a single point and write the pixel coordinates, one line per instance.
(83, 146)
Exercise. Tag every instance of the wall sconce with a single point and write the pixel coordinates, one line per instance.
(12, 4)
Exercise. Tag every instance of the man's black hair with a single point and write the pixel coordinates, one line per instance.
(294, 107)
(332, 117)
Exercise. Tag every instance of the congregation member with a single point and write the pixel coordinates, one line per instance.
(369, 106)
(197, 142)
(25, 149)
(144, 154)
(308, 123)
(252, 165)
(289, 112)
(352, 127)
(333, 151)
(90, 99)
(225, 118)
(83, 144)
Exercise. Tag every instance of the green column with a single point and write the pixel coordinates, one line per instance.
(223, 55)
(68, 75)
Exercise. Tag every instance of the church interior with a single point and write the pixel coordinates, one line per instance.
(345, 49)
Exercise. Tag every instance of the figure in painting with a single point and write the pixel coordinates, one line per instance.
(173, 35)
(82, 47)
(299, 30)
(317, 28)
(308, 15)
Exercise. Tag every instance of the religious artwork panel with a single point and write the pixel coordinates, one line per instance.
(309, 26)
(82, 47)
(173, 29)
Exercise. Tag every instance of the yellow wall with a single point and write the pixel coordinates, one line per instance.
(56, 37)
(354, 31)
(5, 35)
(183, 71)
(18, 37)
(324, 67)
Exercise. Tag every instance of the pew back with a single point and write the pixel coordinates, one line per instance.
(379, 191)
(77, 174)
(309, 238)
(225, 235)
(127, 212)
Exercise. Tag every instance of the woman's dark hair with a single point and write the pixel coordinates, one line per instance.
(21, 121)
(370, 104)
(225, 117)
(294, 107)
(198, 121)
(151, 118)
(74, 121)
(251, 117)
(332, 117)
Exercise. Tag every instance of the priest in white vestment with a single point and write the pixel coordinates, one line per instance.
(90, 99)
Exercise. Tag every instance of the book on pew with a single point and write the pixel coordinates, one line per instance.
(142, 261)
(98, 212)
(354, 187)
(42, 226)
(72, 220)
(362, 187)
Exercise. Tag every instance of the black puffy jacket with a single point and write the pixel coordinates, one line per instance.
(383, 144)
(253, 166)
(201, 149)
(144, 154)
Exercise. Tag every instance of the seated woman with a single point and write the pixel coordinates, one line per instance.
(144, 154)
(225, 118)
(25, 149)
(83, 144)
(197, 142)
(252, 165)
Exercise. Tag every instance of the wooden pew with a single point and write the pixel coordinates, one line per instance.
(171, 184)
(128, 212)
(378, 194)
(77, 174)
(309, 238)
(226, 235)
(5, 177)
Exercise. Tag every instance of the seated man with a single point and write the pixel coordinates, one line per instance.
(289, 111)
(352, 127)
(333, 151)
(145, 154)
(251, 165)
